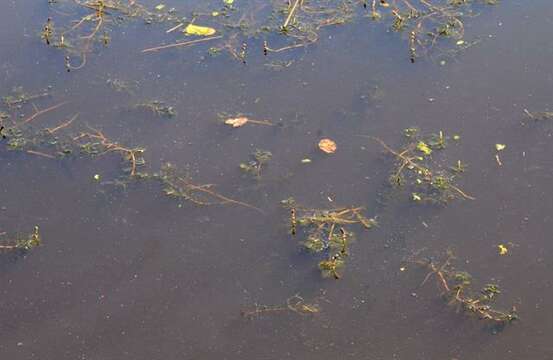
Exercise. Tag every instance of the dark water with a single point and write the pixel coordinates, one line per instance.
(131, 275)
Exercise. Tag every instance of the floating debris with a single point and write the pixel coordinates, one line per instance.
(192, 29)
(503, 250)
(327, 146)
(240, 121)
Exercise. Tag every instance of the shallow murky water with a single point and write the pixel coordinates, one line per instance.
(132, 274)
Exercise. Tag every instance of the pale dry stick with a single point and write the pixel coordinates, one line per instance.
(41, 112)
(331, 232)
(291, 14)
(461, 192)
(174, 28)
(8, 247)
(498, 160)
(181, 44)
(33, 152)
(261, 122)
(295, 46)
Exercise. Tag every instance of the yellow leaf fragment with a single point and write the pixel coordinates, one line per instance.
(160, 7)
(192, 29)
(228, 2)
(500, 147)
(237, 122)
(328, 146)
(503, 250)
(425, 149)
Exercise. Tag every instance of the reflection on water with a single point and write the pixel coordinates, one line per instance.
(126, 272)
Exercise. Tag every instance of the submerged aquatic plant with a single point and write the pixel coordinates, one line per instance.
(539, 115)
(417, 171)
(178, 184)
(64, 138)
(158, 108)
(254, 166)
(456, 287)
(323, 231)
(295, 304)
(24, 243)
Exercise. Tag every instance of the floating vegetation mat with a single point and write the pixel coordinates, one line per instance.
(326, 231)
(418, 170)
(456, 287)
(269, 27)
(178, 184)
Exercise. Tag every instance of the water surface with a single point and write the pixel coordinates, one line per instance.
(133, 275)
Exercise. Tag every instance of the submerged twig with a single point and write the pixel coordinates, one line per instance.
(41, 112)
(179, 185)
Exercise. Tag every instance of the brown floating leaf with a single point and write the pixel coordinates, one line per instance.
(237, 122)
(328, 146)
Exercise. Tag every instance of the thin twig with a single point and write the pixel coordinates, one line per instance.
(33, 152)
(181, 44)
(291, 13)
